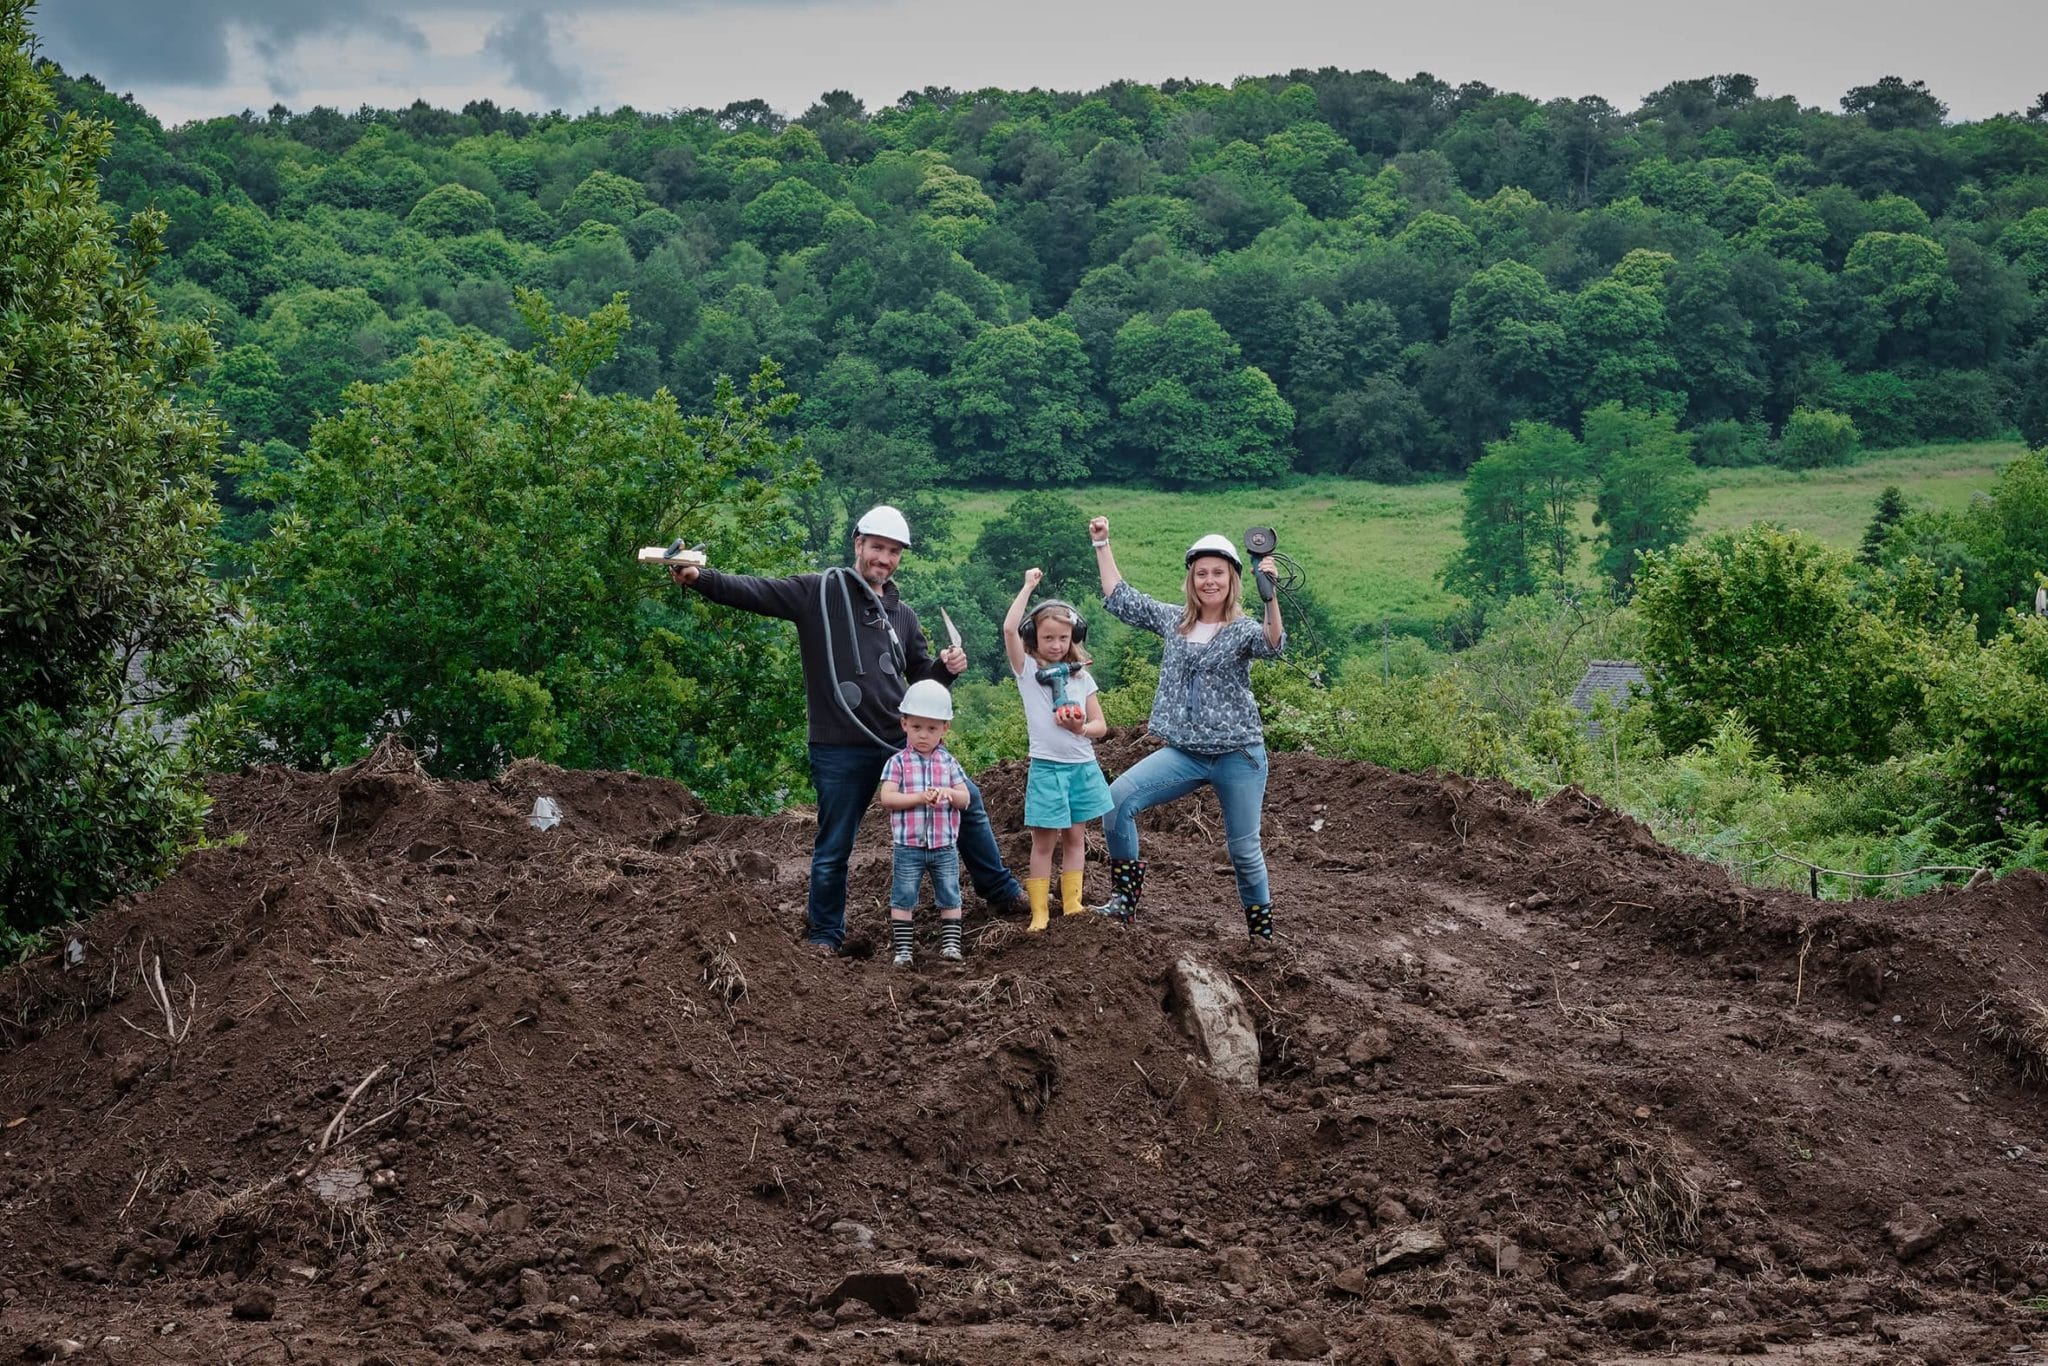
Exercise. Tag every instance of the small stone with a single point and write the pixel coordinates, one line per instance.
(1913, 1231)
(1140, 1296)
(256, 1305)
(890, 1293)
(1369, 1046)
(1352, 1280)
(1211, 1010)
(1298, 1342)
(511, 1219)
(853, 1234)
(1410, 1247)
(1630, 1313)
(533, 1288)
(1241, 1267)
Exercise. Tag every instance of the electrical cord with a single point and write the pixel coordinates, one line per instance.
(846, 578)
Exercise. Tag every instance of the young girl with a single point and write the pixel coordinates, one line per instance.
(1066, 789)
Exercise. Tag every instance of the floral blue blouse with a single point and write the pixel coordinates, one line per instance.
(1204, 704)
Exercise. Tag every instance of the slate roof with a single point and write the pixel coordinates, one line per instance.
(1612, 678)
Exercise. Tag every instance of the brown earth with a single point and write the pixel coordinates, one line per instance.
(431, 1084)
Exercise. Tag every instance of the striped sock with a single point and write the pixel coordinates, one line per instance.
(949, 938)
(900, 932)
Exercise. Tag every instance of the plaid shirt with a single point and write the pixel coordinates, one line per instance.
(924, 827)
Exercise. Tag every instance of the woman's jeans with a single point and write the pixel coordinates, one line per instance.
(1239, 778)
(846, 777)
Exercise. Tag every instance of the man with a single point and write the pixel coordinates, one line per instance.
(861, 648)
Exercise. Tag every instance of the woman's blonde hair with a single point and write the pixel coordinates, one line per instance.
(1193, 612)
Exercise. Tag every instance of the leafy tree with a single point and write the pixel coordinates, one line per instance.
(1620, 338)
(1815, 437)
(2025, 244)
(861, 467)
(1904, 278)
(453, 559)
(787, 215)
(451, 211)
(1189, 410)
(602, 198)
(1041, 529)
(1649, 490)
(1727, 442)
(1985, 705)
(1520, 507)
(1763, 625)
(1022, 405)
(2031, 415)
(106, 510)
(1893, 103)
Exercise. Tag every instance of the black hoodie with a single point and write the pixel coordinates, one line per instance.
(862, 655)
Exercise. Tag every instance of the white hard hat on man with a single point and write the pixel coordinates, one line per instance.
(886, 522)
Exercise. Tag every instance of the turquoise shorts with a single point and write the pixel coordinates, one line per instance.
(1059, 795)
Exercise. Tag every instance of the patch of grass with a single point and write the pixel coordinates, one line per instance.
(1373, 551)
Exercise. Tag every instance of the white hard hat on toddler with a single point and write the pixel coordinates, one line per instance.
(927, 698)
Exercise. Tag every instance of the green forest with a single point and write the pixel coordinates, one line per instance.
(327, 425)
(1188, 284)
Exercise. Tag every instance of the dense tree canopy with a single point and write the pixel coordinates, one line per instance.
(1327, 270)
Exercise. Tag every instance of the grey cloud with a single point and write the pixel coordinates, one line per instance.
(534, 50)
(186, 43)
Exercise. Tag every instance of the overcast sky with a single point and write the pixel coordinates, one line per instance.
(189, 59)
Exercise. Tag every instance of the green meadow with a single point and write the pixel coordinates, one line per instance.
(1373, 551)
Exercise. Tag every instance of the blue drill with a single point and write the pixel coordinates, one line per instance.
(1055, 676)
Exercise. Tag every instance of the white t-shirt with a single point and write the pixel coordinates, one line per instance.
(1050, 740)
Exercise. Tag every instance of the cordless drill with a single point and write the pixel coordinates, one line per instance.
(1054, 676)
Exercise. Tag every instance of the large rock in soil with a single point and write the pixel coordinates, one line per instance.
(1209, 1007)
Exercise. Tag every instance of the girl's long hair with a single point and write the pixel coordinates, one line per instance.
(1193, 613)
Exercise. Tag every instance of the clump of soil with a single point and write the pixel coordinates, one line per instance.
(422, 1081)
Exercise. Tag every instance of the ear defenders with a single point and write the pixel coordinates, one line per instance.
(1028, 628)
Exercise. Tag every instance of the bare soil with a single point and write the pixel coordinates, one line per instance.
(425, 1083)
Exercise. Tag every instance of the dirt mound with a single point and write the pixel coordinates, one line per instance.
(388, 1074)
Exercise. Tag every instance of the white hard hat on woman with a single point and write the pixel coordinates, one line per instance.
(1215, 545)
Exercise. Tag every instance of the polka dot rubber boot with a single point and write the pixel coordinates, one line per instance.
(1258, 918)
(1126, 884)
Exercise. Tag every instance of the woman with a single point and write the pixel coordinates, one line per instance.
(1205, 713)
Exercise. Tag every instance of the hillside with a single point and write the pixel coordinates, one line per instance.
(1376, 551)
(426, 1083)
(1321, 271)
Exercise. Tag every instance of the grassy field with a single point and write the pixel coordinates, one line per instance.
(1373, 551)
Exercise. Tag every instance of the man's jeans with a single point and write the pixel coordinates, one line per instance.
(1239, 778)
(846, 777)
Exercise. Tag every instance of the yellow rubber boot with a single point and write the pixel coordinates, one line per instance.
(1039, 890)
(1070, 892)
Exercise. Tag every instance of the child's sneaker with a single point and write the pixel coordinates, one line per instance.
(901, 959)
(951, 953)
